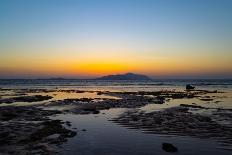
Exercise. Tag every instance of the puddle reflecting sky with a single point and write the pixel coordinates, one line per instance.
(106, 138)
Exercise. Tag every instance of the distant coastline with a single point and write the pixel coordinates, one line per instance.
(127, 76)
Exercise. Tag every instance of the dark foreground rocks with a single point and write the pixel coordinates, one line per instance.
(176, 121)
(189, 87)
(34, 98)
(28, 130)
(169, 147)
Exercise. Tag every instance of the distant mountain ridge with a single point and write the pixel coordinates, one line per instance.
(127, 76)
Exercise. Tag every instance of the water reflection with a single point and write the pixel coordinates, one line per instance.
(103, 137)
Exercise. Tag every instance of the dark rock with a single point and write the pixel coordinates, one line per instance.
(178, 121)
(96, 112)
(160, 98)
(30, 126)
(99, 93)
(34, 98)
(206, 99)
(189, 87)
(49, 128)
(169, 147)
(6, 116)
(4, 138)
(68, 123)
(89, 107)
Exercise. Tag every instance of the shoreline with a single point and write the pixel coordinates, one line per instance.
(179, 121)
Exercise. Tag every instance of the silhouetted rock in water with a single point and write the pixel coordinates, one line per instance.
(68, 123)
(128, 76)
(206, 99)
(96, 112)
(189, 87)
(169, 147)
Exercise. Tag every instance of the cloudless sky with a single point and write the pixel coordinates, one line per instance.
(90, 38)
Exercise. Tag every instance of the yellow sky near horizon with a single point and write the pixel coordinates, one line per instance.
(68, 63)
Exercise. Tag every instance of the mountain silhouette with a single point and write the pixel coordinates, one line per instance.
(127, 76)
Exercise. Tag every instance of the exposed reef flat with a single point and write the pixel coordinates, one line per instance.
(28, 130)
(34, 98)
(88, 105)
(178, 121)
(124, 100)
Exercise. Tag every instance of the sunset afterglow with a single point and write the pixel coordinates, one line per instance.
(87, 38)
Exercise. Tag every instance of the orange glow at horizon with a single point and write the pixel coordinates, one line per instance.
(90, 67)
(69, 63)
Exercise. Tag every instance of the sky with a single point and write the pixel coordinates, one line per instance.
(91, 38)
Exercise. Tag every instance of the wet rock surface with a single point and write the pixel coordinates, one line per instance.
(189, 87)
(34, 98)
(169, 147)
(28, 130)
(88, 105)
(125, 100)
(176, 121)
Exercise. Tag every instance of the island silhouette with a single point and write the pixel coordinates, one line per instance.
(127, 76)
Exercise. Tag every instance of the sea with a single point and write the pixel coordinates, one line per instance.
(151, 85)
(103, 137)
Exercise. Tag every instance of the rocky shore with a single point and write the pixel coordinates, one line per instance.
(177, 121)
(29, 130)
(34, 98)
(125, 100)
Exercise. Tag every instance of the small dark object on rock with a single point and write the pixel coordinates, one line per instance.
(83, 129)
(189, 87)
(99, 93)
(96, 112)
(206, 99)
(169, 147)
(68, 123)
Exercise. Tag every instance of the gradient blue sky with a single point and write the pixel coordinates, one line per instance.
(74, 38)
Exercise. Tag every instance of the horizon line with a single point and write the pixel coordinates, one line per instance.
(158, 78)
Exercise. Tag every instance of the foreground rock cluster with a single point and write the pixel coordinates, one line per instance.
(176, 121)
(28, 130)
(34, 98)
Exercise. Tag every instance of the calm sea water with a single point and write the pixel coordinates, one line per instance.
(117, 85)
